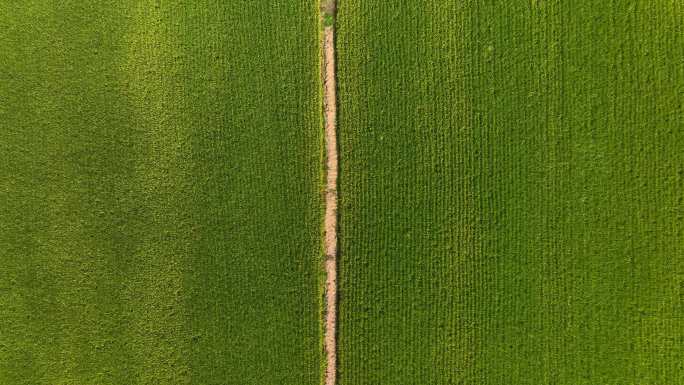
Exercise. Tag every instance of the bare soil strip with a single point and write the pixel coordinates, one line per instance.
(330, 222)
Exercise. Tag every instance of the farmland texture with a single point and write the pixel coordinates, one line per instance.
(160, 181)
(512, 185)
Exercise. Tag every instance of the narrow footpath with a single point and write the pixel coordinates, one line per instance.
(330, 222)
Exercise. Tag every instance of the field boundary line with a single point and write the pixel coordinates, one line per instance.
(330, 220)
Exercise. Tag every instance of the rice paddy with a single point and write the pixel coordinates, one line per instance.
(512, 185)
(160, 193)
(509, 207)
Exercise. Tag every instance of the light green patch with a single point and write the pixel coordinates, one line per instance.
(160, 186)
(328, 20)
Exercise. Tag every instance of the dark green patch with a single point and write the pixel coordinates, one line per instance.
(511, 192)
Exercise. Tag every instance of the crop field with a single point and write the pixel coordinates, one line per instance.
(511, 192)
(509, 207)
(160, 193)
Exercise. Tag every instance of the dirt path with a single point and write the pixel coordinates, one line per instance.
(330, 222)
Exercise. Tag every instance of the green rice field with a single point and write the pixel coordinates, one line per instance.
(511, 192)
(160, 193)
(512, 185)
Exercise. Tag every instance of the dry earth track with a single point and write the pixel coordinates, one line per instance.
(330, 224)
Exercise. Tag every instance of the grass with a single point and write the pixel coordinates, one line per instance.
(511, 192)
(328, 20)
(160, 193)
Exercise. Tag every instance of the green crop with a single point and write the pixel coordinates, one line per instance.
(512, 185)
(160, 199)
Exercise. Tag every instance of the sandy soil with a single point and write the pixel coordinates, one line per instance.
(330, 222)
